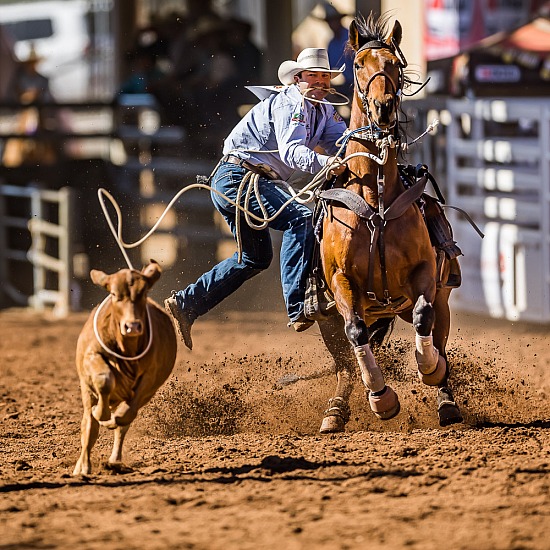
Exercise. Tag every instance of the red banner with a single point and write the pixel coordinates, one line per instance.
(454, 25)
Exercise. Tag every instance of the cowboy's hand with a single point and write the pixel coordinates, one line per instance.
(338, 166)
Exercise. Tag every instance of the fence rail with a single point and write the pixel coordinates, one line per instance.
(50, 253)
(146, 168)
(495, 164)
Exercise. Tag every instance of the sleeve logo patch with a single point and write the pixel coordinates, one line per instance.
(337, 117)
(298, 118)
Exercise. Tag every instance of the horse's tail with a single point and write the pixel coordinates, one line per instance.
(380, 330)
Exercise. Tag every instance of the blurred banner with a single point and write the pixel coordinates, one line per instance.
(453, 25)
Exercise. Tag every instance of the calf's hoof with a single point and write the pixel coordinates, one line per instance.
(124, 415)
(101, 412)
(109, 424)
(385, 405)
(447, 409)
(81, 469)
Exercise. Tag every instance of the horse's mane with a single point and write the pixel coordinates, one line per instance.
(372, 28)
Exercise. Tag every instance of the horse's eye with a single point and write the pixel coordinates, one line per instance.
(357, 66)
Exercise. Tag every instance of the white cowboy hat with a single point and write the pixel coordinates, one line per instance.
(310, 59)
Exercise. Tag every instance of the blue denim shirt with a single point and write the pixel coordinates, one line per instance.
(291, 126)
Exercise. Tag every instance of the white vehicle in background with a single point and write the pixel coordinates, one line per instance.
(58, 32)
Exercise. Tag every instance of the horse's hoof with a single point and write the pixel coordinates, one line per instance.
(336, 416)
(332, 425)
(447, 409)
(386, 405)
(449, 414)
(437, 376)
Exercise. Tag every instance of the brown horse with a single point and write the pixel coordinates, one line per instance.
(376, 254)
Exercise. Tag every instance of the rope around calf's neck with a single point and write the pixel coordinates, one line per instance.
(114, 353)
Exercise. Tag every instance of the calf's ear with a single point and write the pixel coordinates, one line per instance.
(100, 278)
(152, 272)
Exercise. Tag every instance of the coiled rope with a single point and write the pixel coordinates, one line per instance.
(251, 182)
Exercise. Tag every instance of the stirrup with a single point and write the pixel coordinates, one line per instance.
(316, 305)
(454, 278)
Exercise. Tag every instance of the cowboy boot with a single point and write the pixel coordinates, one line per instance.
(441, 237)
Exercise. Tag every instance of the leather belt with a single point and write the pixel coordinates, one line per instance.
(263, 170)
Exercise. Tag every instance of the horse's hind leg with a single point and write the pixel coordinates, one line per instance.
(447, 409)
(338, 412)
(430, 353)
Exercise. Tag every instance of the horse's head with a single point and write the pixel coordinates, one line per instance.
(378, 69)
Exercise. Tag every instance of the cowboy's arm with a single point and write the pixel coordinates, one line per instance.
(334, 129)
(290, 123)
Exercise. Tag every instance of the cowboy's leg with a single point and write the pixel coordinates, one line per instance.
(296, 251)
(295, 221)
(227, 276)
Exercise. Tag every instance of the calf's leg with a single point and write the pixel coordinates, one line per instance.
(89, 430)
(116, 454)
(103, 382)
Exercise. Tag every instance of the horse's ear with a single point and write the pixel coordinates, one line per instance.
(396, 34)
(353, 36)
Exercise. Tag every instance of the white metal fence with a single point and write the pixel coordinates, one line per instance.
(47, 216)
(496, 168)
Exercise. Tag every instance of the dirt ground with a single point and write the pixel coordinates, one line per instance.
(225, 457)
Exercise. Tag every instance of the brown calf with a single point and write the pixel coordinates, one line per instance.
(125, 352)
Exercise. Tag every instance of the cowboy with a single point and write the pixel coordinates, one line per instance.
(273, 140)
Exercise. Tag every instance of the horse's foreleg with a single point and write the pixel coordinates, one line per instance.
(432, 367)
(338, 411)
(447, 409)
(383, 400)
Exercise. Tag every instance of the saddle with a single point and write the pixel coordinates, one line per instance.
(318, 300)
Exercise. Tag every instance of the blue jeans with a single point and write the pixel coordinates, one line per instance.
(257, 250)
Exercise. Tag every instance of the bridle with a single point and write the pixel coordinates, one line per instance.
(397, 89)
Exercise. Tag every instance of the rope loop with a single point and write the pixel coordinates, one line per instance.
(114, 353)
